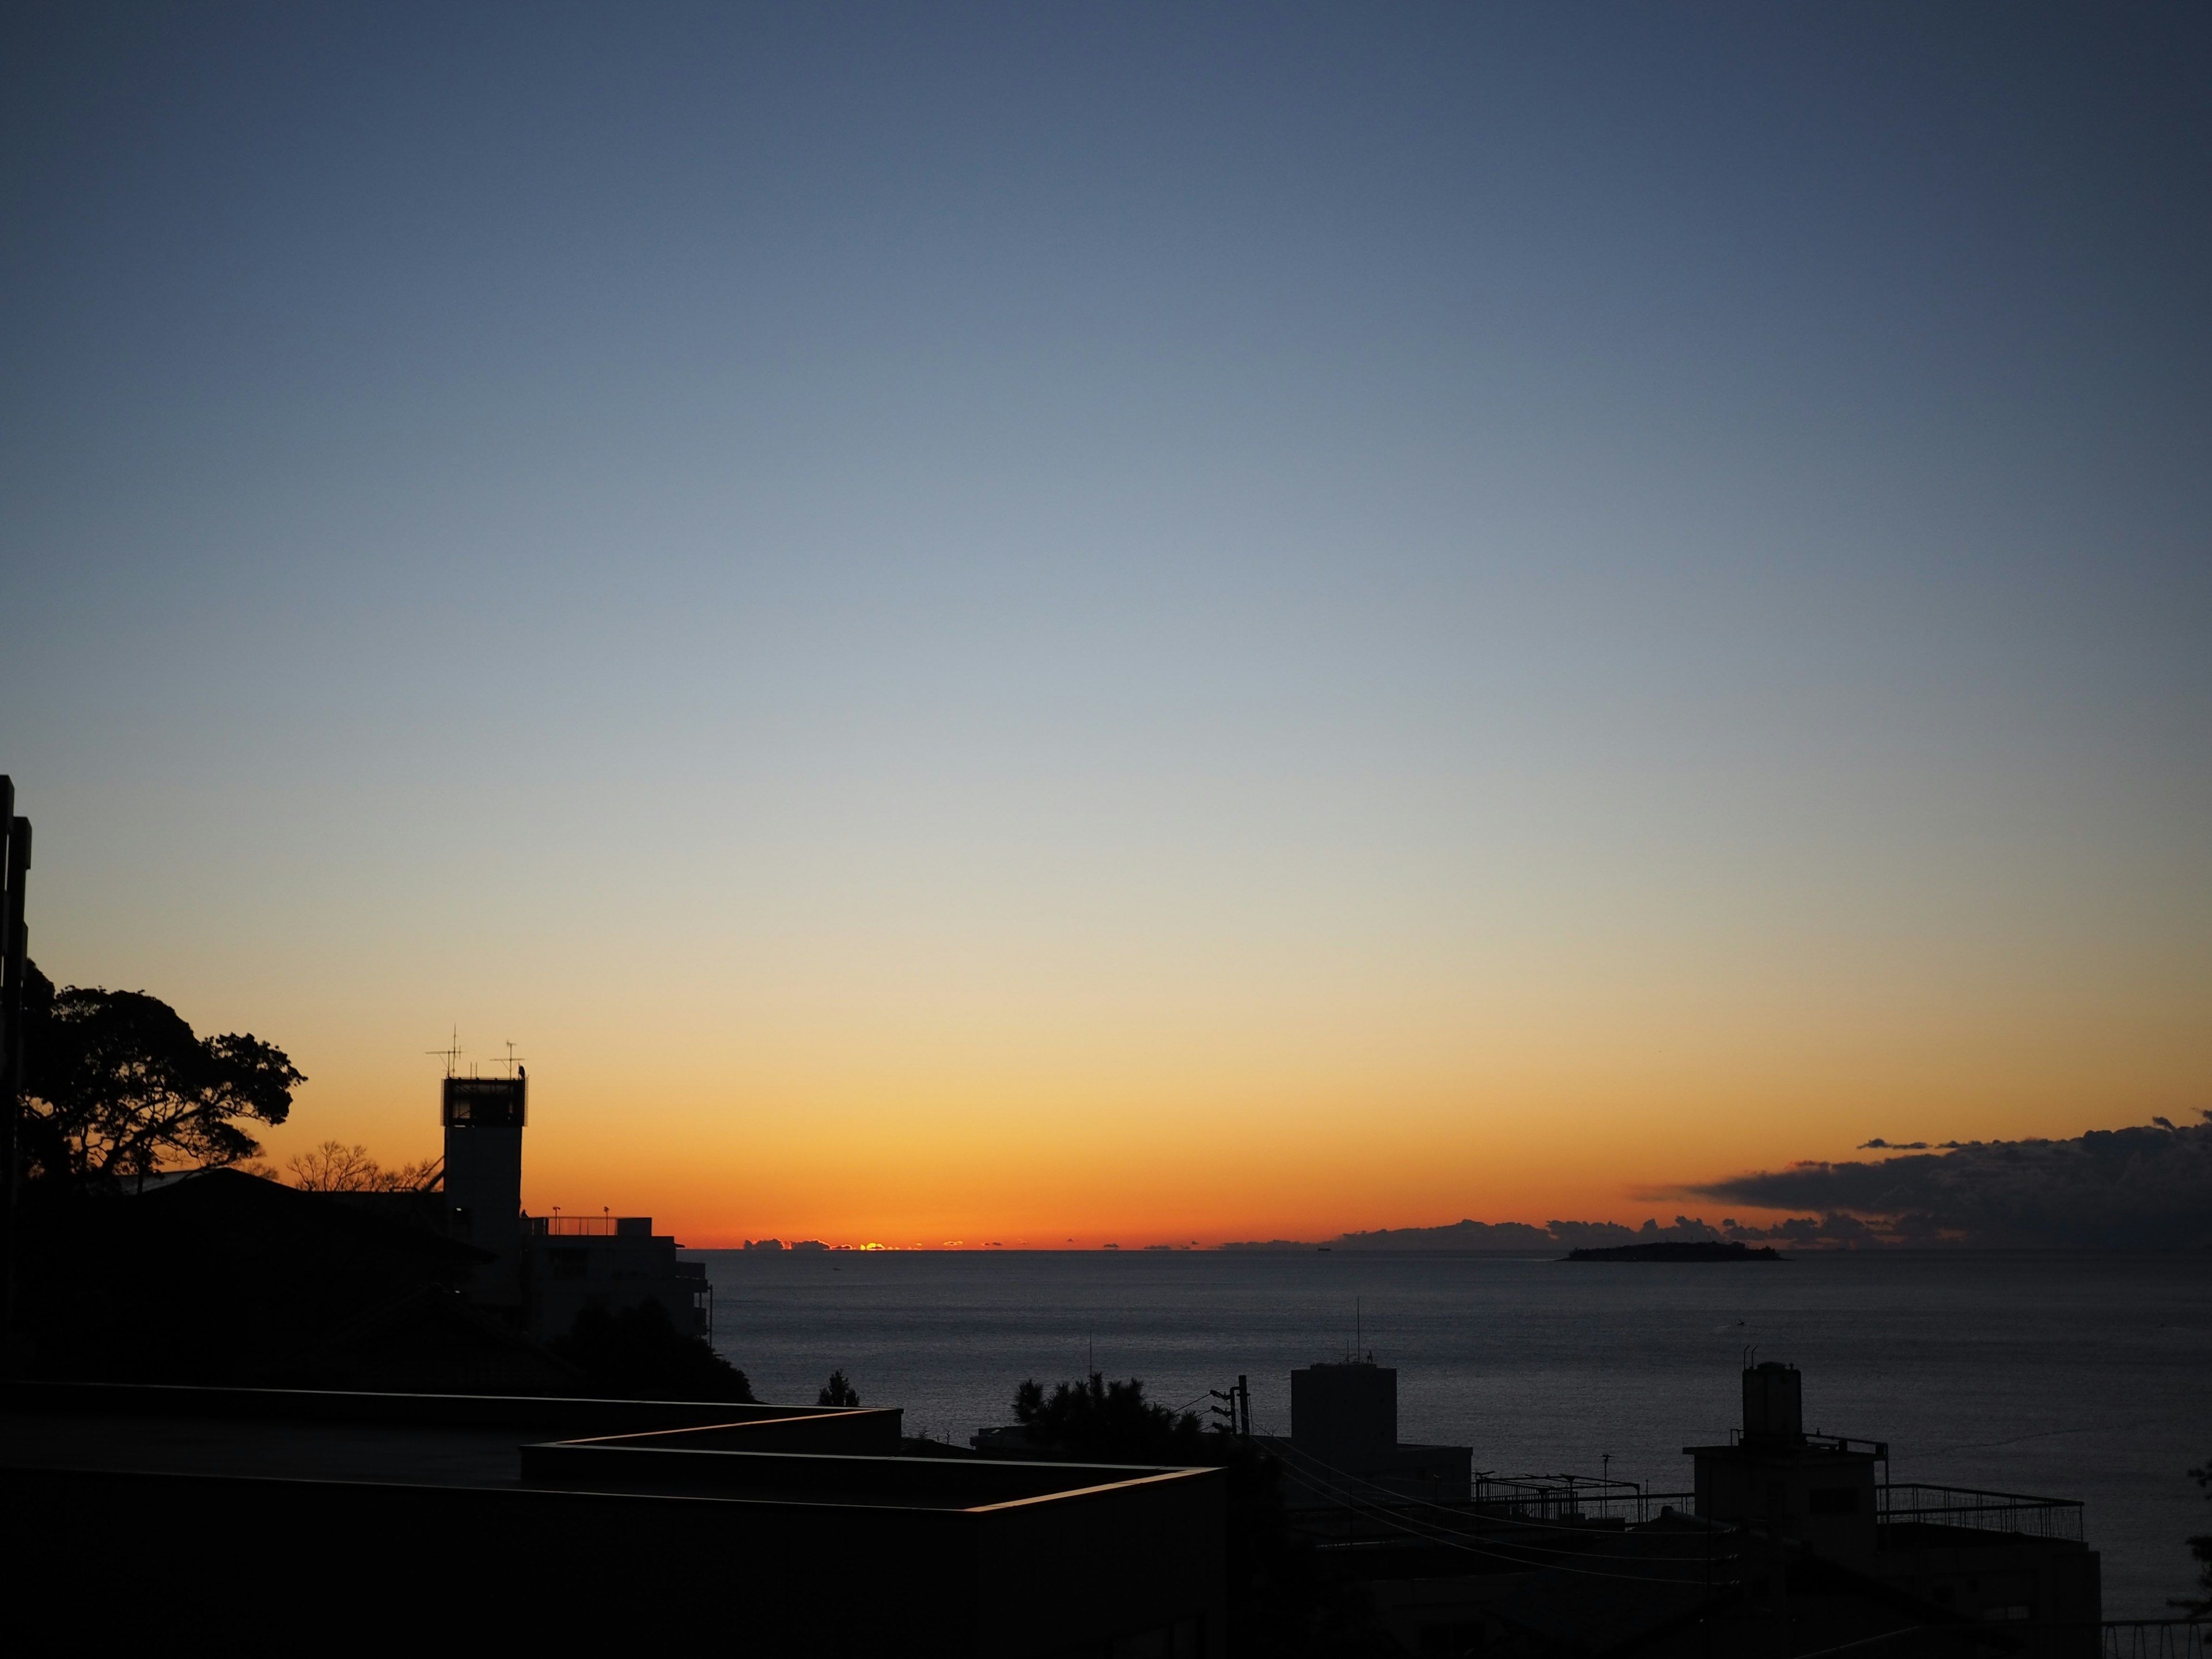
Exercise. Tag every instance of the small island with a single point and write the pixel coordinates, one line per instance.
(1711, 1249)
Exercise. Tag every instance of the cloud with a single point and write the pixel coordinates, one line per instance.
(1519, 1236)
(2143, 1189)
(2139, 1188)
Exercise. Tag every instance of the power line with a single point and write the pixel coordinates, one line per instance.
(1443, 1508)
(1433, 1534)
(1388, 1513)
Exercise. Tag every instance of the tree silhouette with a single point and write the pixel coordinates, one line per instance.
(117, 1085)
(837, 1392)
(1110, 1421)
(335, 1167)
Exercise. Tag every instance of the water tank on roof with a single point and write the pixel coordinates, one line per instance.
(1773, 1403)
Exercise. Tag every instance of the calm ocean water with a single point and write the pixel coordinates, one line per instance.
(2068, 1375)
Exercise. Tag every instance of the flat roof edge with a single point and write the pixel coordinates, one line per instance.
(519, 1490)
(1067, 1493)
(52, 1397)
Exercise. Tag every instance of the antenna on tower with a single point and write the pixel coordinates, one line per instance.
(452, 1052)
(513, 1059)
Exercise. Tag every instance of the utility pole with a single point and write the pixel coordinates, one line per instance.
(14, 959)
(1235, 1407)
(1228, 1406)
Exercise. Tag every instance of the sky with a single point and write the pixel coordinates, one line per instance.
(1151, 624)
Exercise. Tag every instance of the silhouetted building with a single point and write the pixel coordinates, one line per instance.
(483, 1119)
(574, 1263)
(1344, 1424)
(547, 1269)
(1816, 1490)
(1790, 1543)
(385, 1519)
(2001, 1556)
(222, 1277)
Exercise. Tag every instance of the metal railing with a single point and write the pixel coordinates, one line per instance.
(1877, 1449)
(2156, 1638)
(1570, 1497)
(1577, 1498)
(573, 1226)
(1984, 1511)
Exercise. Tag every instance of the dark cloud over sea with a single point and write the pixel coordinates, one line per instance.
(2141, 1188)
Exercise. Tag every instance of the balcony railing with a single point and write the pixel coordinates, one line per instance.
(1984, 1511)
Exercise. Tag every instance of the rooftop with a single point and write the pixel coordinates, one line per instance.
(739, 1453)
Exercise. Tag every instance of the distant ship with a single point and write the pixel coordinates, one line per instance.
(1704, 1250)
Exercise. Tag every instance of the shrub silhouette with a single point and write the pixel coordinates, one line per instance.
(635, 1353)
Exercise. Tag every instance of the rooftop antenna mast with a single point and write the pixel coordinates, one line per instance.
(452, 1051)
(513, 1060)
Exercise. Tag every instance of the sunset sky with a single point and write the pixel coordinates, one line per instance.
(1154, 624)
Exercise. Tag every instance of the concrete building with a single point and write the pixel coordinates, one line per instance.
(1344, 1426)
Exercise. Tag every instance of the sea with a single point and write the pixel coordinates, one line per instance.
(2075, 1375)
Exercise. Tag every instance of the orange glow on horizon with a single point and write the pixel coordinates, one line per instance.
(880, 1075)
(1283, 1150)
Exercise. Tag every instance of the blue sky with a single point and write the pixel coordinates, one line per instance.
(1420, 539)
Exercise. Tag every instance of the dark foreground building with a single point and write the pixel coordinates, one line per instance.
(1790, 1544)
(309, 1519)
